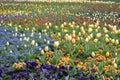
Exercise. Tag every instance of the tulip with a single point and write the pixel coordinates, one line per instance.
(46, 48)
(107, 54)
(98, 35)
(42, 52)
(11, 51)
(113, 41)
(89, 30)
(56, 44)
(86, 39)
(117, 42)
(115, 65)
(73, 41)
(93, 54)
(33, 42)
(95, 40)
(107, 40)
(7, 43)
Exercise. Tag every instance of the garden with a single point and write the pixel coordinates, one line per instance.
(59, 41)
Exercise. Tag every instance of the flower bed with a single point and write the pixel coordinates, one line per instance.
(59, 41)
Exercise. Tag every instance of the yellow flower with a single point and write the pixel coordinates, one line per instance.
(95, 40)
(65, 30)
(107, 40)
(42, 52)
(59, 34)
(89, 30)
(93, 54)
(98, 35)
(56, 44)
(107, 54)
(33, 42)
(115, 65)
(73, 41)
(86, 39)
(46, 48)
(117, 42)
(113, 41)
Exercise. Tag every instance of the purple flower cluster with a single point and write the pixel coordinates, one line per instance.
(48, 72)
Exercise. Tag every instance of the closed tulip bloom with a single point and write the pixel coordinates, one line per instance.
(56, 44)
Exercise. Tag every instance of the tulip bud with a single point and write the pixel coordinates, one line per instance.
(56, 44)
(93, 54)
(7, 43)
(116, 42)
(98, 35)
(33, 42)
(107, 40)
(115, 65)
(95, 40)
(89, 30)
(107, 54)
(73, 41)
(42, 52)
(46, 48)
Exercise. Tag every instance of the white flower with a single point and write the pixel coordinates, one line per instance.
(7, 43)
(115, 65)
(107, 40)
(36, 44)
(91, 35)
(116, 53)
(73, 31)
(23, 34)
(15, 34)
(33, 42)
(77, 26)
(47, 27)
(42, 52)
(48, 42)
(90, 30)
(11, 51)
(59, 34)
(20, 39)
(16, 29)
(62, 26)
(27, 39)
(46, 48)
(39, 36)
(79, 33)
(113, 41)
(65, 23)
(25, 45)
(32, 34)
(107, 54)
(106, 31)
(56, 27)
(86, 39)
(98, 35)
(56, 44)
(117, 42)
(93, 54)
(95, 40)
(50, 24)
(106, 35)
(45, 40)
